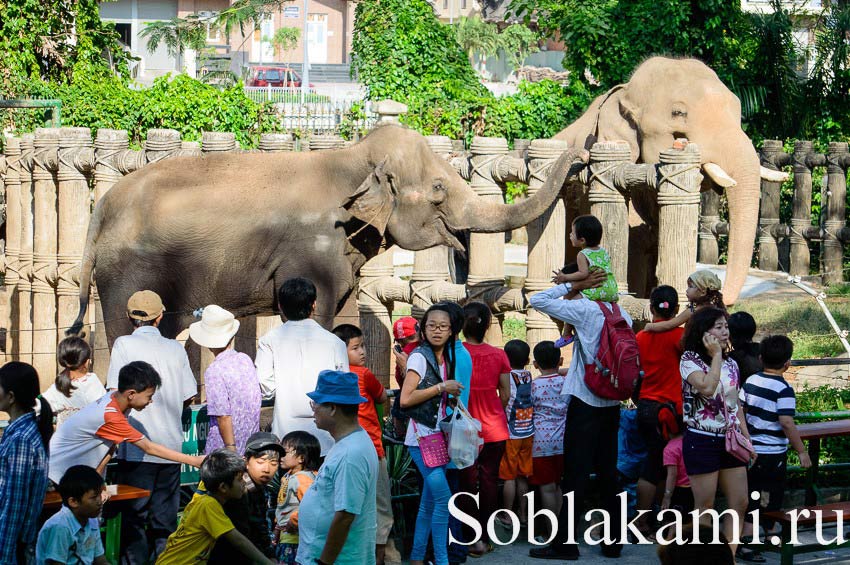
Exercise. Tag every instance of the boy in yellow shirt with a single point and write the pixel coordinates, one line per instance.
(204, 520)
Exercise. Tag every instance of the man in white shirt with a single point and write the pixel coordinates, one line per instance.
(161, 422)
(290, 358)
(590, 437)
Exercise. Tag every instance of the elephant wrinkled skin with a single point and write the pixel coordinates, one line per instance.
(229, 228)
(675, 98)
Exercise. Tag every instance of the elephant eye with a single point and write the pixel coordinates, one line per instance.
(680, 114)
(438, 187)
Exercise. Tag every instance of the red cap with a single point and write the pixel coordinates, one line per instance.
(405, 327)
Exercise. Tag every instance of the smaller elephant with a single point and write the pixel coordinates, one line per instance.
(229, 228)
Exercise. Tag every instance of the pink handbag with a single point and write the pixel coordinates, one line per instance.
(435, 451)
(737, 444)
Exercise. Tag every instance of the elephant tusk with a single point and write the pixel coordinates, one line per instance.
(720, 177)
(774, 176)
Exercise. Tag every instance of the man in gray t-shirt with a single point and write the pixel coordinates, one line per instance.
(161, 422)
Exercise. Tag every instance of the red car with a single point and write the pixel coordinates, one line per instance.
(274, 76)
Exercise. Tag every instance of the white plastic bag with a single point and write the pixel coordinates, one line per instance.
(463, 433)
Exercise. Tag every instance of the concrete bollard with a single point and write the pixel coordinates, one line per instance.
(546, 237)
(45, 248)
(678, 214)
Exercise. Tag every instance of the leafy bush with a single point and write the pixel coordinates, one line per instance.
(181, 103)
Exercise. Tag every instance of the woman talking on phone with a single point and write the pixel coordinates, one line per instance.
(711, 408)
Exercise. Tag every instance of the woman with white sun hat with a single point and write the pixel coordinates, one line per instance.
(232, 386)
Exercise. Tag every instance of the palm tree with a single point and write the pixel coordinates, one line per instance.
(477, 37)
(178, 35)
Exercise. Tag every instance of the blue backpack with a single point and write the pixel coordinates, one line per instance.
(521, 419)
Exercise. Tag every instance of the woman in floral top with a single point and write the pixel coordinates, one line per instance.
(232, 386)
(710, 378)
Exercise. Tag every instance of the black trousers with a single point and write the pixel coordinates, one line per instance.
(767, 476)
(590, 444)
(146, 523)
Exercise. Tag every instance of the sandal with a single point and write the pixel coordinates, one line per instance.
(476, 555)
(751, 555)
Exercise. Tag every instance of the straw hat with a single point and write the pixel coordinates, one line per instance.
(216, 328)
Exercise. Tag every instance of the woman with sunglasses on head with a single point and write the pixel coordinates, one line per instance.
(428, 382)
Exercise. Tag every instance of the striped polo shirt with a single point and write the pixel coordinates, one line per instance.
(766, 398)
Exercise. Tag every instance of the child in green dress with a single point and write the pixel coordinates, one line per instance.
(586, 234)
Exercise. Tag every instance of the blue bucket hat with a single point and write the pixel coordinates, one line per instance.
(337, 387)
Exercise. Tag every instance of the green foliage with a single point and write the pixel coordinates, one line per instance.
(177, 34)
(286, 38)
(609, 38)
(179, 102)
(53, 39)
(518, 42)
(477, 37)
(402, 50)
(538, 110)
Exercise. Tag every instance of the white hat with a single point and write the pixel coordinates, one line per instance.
(216, 328)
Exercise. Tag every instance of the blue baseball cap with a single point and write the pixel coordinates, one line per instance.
(337, 387)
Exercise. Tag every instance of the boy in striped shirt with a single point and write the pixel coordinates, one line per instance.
(770, 406)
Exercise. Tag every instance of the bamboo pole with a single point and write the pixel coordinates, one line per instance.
(12, 151)
(609, 205)
(546, 237)
(25, 274)
(74, 211)
(45, 247)
(486, 250)
(832, 265)
(678, 214)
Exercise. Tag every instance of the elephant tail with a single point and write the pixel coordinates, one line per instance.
(86, 268)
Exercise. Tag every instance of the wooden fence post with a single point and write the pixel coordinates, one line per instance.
(486, 250)
(546, 236)
(609, 204)
(45, 247)
(25, 273)
(707, 250)
(74, 210)
(832, 266)
(773, 157)
(109, 145)
(678, 214)
(12, 152)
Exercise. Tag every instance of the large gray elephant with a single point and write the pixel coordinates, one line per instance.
(673, 98)
(228, 228)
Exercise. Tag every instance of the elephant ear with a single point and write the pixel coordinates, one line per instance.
(618, 119)
(373, 201)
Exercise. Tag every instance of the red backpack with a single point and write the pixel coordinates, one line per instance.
(615, 371)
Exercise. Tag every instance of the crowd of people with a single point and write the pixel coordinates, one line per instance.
(547, 432)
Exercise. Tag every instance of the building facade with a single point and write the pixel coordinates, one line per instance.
(329, 29)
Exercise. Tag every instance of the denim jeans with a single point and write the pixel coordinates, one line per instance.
(433, 517)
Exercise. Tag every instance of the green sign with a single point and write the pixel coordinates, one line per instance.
(196, 427)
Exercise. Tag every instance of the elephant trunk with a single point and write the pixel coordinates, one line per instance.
(743, 201)
(482, 216)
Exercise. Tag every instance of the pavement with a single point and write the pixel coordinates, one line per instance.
(647, 554)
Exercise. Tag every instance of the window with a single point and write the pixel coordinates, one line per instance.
(463, 4)
(213, 33)
(445, 4)
(124, 33)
